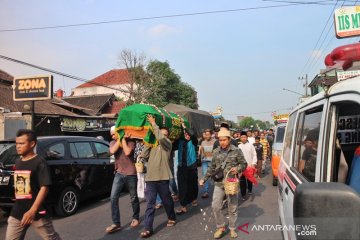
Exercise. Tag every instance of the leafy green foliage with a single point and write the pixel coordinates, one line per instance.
(251, 123)
(166, 86)
(247, 122)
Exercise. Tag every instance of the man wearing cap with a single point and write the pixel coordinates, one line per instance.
(225, 126)
(249, 152)
(125, 174)
(232, 160)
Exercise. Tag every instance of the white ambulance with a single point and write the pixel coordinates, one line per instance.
(319, 172)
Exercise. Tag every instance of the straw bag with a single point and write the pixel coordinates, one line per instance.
(231, 185)
(139, 165)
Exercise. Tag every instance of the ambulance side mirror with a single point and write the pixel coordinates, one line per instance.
(326, 211)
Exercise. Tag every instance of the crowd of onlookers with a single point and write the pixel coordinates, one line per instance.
(171, 175)
(172, 172)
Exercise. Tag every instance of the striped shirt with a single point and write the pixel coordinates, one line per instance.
(265, 144)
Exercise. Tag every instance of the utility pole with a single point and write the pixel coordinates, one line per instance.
(306, 83)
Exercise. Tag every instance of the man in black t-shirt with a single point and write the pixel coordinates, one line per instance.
(31, 180)
(259, 154)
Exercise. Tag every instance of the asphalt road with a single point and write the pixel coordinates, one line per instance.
(93, 217)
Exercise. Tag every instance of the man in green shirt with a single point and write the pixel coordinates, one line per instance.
(230, 159)
(157, 178)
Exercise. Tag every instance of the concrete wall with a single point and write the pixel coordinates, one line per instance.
(100, 90)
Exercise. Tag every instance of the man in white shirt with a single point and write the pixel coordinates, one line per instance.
(251, 139)
(249, 152)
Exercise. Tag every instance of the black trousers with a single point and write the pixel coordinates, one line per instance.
(245, 184)
(187, 184)
(152, 189)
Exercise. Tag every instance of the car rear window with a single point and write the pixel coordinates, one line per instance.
(81, 150)
(280, 132)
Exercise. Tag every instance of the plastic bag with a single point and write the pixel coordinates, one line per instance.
(141, 185)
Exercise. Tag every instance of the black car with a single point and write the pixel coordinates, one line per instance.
(81, 168)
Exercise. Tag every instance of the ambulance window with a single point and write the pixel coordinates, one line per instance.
(306, 142)
(348, 140)
(288, 137)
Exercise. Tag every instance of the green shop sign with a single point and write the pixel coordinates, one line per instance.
(347, 21)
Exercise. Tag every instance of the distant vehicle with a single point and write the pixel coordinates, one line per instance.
(80, 169)
(277, 149)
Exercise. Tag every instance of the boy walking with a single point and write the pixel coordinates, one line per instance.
(250, 156)
(31, 180)
(259, 153)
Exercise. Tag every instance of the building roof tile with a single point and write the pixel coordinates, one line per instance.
(41, 107)
(94, 102)
(112, 77)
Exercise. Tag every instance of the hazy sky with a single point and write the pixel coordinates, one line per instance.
(240, 60)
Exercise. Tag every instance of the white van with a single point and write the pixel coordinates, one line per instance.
(319, 172)
(277, 149)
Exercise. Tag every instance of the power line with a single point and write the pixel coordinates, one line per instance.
(57, 72)
(325, 2)
(321, 34)
(160, 17)
(332, 38)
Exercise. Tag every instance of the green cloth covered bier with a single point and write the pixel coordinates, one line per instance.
(133, 120)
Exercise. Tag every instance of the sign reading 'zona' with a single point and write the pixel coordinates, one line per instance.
(347, 21)
(33, 88)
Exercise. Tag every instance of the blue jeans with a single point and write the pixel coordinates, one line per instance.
(204, 167)
(158, 199)
(120, 181)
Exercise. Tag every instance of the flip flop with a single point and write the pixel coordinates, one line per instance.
(194, 204)
(180, 211)
(146, 234)
(171, 223)
(113, 228)
(134, 223)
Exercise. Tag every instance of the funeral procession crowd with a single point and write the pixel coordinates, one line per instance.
(161, 174)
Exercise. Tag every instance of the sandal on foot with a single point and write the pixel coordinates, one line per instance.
(233, 234)
(158, 206)
(181, 211)
(134, 223)
(113, 228)
(171, 223)
(220, 232)
(146, 234)
(194, 203)
(205, 195)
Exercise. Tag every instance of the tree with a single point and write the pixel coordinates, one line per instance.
(136, 90)
(247, 122)
(166, 86)
(268, 124)
(260, 124)
(188, 95)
